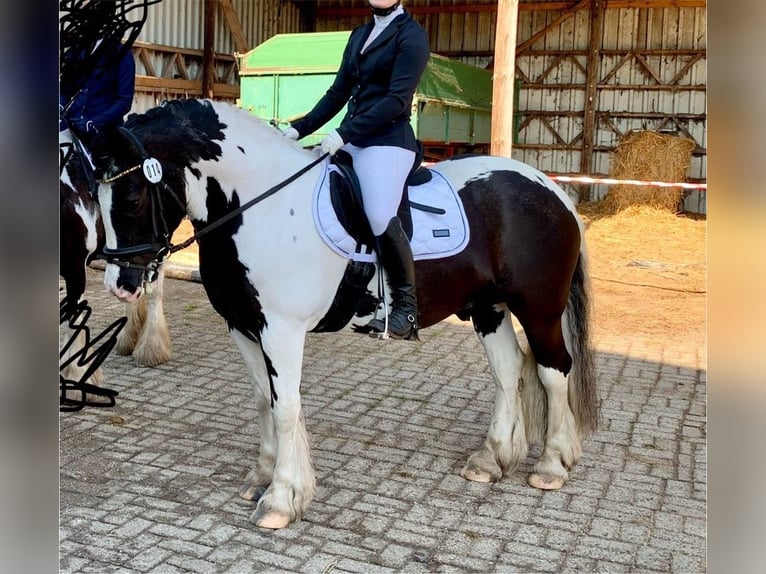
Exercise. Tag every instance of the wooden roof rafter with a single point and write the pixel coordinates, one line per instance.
(340, 11)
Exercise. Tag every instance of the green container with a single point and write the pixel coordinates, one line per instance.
(286, 75)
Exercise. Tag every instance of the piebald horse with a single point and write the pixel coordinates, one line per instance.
(145, 335)
(269, 273)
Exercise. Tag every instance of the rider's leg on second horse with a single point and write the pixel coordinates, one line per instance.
(382, 173)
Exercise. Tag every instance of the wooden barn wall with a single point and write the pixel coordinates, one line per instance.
(658, 52)
(178, 26)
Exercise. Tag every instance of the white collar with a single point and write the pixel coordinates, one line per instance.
(383, 21)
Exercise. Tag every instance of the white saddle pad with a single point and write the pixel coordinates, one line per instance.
(434, 235)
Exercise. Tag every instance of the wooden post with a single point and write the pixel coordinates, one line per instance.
(503, 77)
(208, 54)
(592, 68)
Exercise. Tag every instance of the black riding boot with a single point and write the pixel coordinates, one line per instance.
(396, 258)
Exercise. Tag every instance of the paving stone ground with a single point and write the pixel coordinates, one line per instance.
(150, 485)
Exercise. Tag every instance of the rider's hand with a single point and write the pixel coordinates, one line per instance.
(332, 142)
(291, 133)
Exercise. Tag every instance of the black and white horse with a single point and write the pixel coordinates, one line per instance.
(145, 334)
(270, 274)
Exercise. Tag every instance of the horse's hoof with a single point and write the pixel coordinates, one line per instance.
(251, 492)
(545, 481)
(270, 520)
(476, 475)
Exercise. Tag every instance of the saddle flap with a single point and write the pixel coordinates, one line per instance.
(346, 196)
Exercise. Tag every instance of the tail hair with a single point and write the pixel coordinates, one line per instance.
(582, 395)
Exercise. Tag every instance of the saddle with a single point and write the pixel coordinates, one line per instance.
(434, 231)
(346, 197)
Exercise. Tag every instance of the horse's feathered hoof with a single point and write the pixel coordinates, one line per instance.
(271, 520)
(475, 475)
(545, 481)
(251, 492)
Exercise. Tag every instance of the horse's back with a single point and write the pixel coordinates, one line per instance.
(509, 174)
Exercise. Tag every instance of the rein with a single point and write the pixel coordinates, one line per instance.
(232, 214)
(152, 171)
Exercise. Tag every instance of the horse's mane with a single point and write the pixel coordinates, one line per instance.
(194, 123)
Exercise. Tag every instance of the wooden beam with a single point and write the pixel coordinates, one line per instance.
(597, 8)
(164, 49)
(188, 87)
(503, 77)
(328, 12)
(208, 49)
(235, 26)
(545, 29)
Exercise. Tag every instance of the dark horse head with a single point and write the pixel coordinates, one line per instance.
(142, 169)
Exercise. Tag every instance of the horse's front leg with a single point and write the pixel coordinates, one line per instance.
(258, 479)
(293, 484)
(506, 441)
(148, 326)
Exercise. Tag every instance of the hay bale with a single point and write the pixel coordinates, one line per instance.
(649, 156)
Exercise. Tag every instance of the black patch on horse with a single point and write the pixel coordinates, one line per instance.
(352, 298)
(224, 276)
(192, 122)
(73, 251)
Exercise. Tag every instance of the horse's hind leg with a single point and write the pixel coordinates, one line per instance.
(562, 443)
(506, 441)
(153, 345)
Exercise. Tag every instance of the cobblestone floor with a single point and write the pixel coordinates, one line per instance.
(150, 485)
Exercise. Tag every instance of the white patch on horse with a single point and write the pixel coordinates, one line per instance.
(89, 219)
(112, 271)
(196, 196)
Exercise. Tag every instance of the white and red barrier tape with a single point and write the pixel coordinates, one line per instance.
(611, 181)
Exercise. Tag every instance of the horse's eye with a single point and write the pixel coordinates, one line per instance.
(132, 202)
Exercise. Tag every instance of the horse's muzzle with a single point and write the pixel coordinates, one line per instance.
(124, 283)
(127, 296)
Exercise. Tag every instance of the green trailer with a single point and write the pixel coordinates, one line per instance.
(286, 75)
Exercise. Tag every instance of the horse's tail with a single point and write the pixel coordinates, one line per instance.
(583, 398)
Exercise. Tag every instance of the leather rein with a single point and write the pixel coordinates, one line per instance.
(152, 170)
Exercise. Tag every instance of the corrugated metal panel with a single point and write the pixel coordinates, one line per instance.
(179, 23)
(175, 23)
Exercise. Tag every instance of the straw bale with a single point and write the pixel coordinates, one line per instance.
(649, 156)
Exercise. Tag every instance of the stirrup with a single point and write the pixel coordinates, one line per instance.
(381, 329)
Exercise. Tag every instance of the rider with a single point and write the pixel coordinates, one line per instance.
(382, 65)
(101, 98)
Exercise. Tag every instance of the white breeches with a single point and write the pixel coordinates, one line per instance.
(382, 172)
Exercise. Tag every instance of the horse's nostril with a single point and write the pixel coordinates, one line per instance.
(127, 285)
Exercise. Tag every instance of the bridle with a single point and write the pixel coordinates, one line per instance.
(66, 150)
(160, 246)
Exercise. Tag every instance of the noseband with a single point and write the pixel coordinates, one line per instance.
(161, 246)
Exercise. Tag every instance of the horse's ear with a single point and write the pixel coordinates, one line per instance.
(104, 148)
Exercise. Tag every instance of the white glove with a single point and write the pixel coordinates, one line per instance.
(291, 133)
(332, 142)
